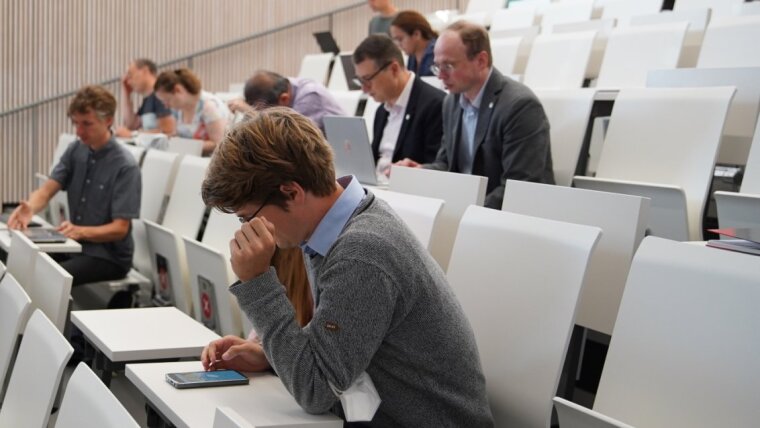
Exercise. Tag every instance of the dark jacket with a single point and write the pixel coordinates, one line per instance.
(421, 132)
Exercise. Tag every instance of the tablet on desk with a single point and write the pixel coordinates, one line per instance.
(203, 379)
(44, 235)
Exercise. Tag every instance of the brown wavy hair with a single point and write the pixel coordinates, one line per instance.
(292, 273)
(410, 21)
(273, 147)
(93, 98)
(167, 80)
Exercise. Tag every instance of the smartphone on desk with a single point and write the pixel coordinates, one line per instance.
(203, 379)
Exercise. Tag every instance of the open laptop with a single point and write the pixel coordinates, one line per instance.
(348, 138)
(327, 42)
(44, 235)
(347, 61)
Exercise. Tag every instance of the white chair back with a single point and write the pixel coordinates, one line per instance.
(507, 52)
(684, 306)
(571, 415)
(347, 100)
(170, 271)
(484, 6)
(226, 417)
(692, 43)
(678, 152)
(513, 17)
(458, 191)
(738, 209)
(568, 112)
(88, 403)
(36, 374)
(566, 11)
(316, 67)
(730, 42)
(633, 51)
(185, 146)
(371, 106)
(338, 80)
(623, 10)
(718, 7)
(478, 18)
(210, 278)
(64, 140)
(15, 306)
(158, 170)
(418, 212)
(21, 259)
(751, 181)
(136, 151)
(499, 273)
(559, 61)
(622, 219)
(51, 289)
(742, 114)
(603, 28)
(184, 212)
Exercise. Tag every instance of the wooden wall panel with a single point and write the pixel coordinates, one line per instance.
(48, 48)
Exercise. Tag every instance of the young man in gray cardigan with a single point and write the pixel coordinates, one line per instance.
(382, 304)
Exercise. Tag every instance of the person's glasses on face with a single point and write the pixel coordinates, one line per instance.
(445, 67)
(246, 219)
(361, 81)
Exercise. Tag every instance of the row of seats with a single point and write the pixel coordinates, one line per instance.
(526, 269)
(36, 373)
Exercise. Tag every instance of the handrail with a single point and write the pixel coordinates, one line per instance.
(189, 58)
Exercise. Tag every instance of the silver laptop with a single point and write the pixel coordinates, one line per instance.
(350, 143)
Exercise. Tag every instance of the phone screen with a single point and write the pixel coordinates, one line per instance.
(200, 379)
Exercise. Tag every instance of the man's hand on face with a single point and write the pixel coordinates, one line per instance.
(252, 249)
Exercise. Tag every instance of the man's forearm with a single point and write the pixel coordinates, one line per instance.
(128, 116)
(114, 231)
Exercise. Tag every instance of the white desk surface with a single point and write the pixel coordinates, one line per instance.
(263, 403)
(143, 333)
(70, 246)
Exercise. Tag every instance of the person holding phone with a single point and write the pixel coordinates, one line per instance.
(384, 313)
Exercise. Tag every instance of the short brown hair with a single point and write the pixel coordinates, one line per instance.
(182, 76)
(379, 48)
(273, 147)
(474, 37)
(93, 98)
(410, 21)
(146, 63)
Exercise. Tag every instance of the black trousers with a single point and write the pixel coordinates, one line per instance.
(87, 269)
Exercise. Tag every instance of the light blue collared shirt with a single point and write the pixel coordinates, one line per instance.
(337, 216)
(331, 226)
(470, 112)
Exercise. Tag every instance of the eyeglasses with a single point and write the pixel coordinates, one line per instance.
(361, 81)
(446, 67)
(242, 219)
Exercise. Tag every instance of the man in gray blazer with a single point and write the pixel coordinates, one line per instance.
(493, 126)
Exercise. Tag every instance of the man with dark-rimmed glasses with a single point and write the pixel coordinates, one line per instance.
(408, 124)
(493, 126)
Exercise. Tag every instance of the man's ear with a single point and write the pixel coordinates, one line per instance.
(284, 99)
(292, 190)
